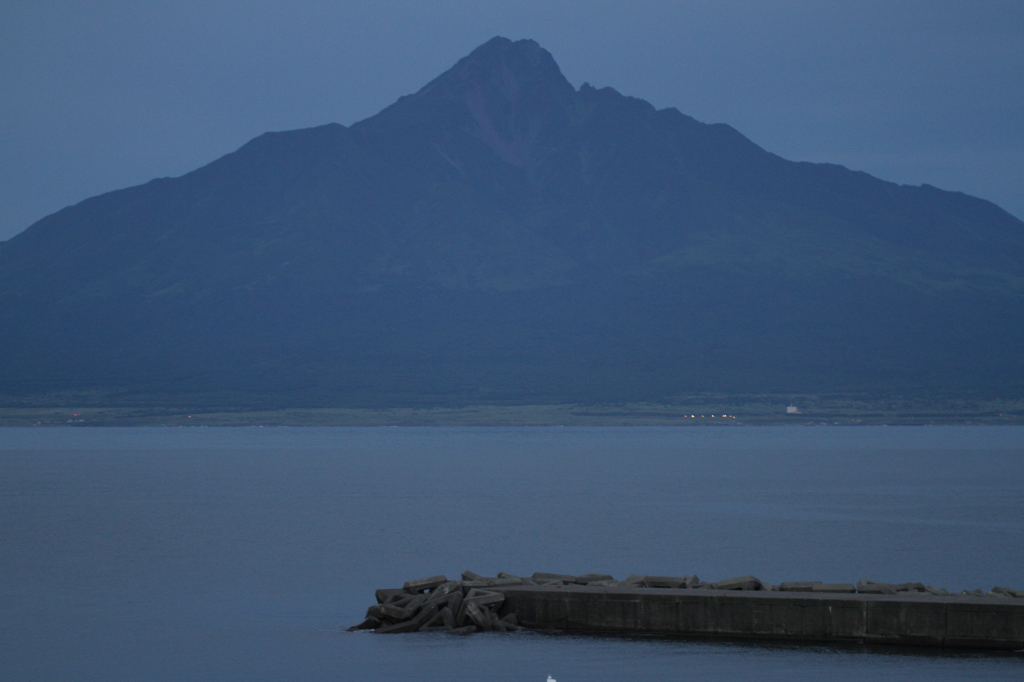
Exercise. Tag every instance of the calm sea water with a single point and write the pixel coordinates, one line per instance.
(242, 554)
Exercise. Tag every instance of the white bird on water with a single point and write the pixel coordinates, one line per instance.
(551, 679)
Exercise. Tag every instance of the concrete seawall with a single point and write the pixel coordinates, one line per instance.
(909, 619)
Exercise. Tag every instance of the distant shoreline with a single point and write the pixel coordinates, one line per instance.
(718, 411)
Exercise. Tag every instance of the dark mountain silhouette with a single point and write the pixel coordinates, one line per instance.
(500, 235)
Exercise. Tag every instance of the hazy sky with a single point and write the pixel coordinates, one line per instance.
(95, 96)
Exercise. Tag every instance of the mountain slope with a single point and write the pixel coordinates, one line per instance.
(500, 235)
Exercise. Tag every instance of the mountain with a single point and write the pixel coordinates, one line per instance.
(502, 236)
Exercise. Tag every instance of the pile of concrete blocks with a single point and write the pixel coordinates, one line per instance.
(749, 582)
(692, 582)
(996, 592)
(437, 604)
(874, 587)
(594, 579)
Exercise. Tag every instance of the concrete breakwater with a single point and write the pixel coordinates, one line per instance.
(745, 607)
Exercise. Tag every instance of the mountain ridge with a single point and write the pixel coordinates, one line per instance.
(500, 233)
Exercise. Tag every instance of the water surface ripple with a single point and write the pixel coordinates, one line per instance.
(242, 553)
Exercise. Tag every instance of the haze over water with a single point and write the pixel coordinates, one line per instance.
(224, 554)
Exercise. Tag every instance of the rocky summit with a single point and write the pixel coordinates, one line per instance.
(501, 235)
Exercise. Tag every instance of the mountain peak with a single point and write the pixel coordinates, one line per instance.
(503, 70)
(521, 60)
(504, 93)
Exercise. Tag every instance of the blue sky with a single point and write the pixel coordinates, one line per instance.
(102, 95)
